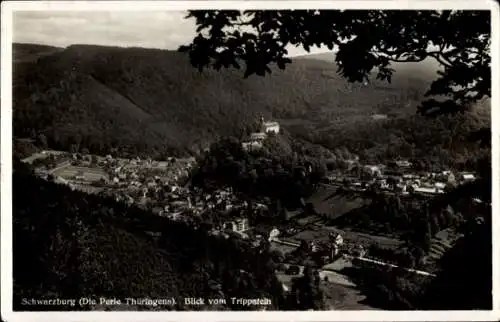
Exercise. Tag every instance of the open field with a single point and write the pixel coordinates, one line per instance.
(327, 201)
(90, 174)
(320, 233)
(363, 238)
(317, 234)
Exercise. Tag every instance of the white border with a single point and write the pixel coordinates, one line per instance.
(6, 161)
(244, 5)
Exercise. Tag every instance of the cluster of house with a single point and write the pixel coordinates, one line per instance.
(148, 173)
(402, 182)
(185, 201)
(183, 204)
(154, 185)
(433, 183)
(131, 180)
(158, 186)
(256, 139)
(326, 251)
(330, 249)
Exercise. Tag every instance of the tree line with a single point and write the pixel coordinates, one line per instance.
(264, 173)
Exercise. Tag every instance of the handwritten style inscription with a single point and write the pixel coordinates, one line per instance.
(103, 301)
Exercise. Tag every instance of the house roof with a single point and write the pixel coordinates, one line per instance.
(425, 190)
(439, 185)
(258, 135)
(271, 124)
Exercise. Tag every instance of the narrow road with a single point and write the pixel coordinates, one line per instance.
(376, 262)
(363, 259)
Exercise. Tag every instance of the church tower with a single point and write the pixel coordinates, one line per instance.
(261, 123)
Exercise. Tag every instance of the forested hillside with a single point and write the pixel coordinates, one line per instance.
(429, 142)
(136, 100)
(69, 245)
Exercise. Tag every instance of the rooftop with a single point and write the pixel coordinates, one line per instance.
(425, 190)
(258, 135)
(271, 124)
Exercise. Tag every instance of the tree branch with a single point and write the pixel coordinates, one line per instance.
(442, 60)
(397, 60)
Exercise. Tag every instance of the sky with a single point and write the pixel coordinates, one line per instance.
(149, 29)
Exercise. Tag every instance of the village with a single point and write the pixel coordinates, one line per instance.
(399, 178)
(163, 188)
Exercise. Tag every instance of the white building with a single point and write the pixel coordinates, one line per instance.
(467, 177)
(335, 250)
(239, 225)
(268, 127)
(440, 185)
(258, 137)
(339, 240)
(373, 170)
(427, 191)
(271, 127)
(336, 239)
(403, 163)
(273, 235)
(400, 187)
(361, 251)
(255, 142)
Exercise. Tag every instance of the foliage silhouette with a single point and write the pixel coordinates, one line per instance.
(365, 40)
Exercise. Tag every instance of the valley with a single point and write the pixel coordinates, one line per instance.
(155, 151)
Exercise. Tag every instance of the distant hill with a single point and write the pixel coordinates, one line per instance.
(146, 100)
(425, 69)
(23, 53)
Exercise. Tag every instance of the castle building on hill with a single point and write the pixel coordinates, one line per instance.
(267, 127)
(255, 140)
